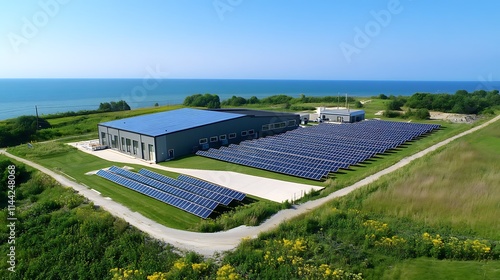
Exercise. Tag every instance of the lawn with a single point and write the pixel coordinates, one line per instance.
(73, 163)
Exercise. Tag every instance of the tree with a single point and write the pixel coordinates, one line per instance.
(211, 101)
(114, 106)
(382, 96)
(253, 100)
(422, 114)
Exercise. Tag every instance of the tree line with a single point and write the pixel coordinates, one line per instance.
(213, 100)
(462, 102)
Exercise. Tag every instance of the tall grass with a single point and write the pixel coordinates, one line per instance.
(458, 187)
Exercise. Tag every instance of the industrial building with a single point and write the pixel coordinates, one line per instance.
(163, 136)
(341, 115)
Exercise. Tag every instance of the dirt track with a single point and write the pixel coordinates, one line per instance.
(209, 243)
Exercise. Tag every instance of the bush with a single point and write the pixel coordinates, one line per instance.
(113, 106)
(210, 101)
(391, 114)
(422, 114)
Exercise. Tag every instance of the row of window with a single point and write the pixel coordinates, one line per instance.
(130, 146)
(271, 126)
(223, 137)
(216, 138)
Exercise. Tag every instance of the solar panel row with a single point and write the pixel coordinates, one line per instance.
(200, 200)
(216, 196)
(315, 151)
(170, 199)
(213, 187)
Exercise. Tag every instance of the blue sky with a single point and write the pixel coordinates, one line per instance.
(251, 39)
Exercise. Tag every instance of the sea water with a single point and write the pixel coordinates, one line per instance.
(20, 96)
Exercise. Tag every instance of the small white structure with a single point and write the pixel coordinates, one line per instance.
(340, 115)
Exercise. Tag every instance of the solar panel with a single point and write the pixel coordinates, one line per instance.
(315, 151)
(172, 200)
(213, 195)
(210, 186)
(202, 201)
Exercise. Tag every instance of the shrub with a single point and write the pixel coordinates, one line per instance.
(422, 114)
(391, 114)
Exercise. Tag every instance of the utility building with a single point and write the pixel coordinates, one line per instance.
(341, 115)
(166, 135)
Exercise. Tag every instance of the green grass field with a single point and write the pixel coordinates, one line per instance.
(458, 187)
(426, 268)
(71, 162)
(450, 195)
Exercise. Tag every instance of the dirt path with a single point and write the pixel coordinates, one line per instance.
(210, 243)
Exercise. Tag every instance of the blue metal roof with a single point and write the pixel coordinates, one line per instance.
(170, 121)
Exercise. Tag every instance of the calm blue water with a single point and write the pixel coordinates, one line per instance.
(20, 96)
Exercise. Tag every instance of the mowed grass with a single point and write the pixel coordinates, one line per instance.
(426, 268)
(75, 164)
(457, 187)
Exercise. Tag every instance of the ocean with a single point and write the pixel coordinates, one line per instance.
(20, 96)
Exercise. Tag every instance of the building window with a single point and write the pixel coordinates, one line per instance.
(123, 144)
(251, 132)
(292, 123)
(114, 142)
(151, 152)
(135, 146)
(232, 135)
(213, 139)
(244, 133)
(265, 127)
(143, 149)
(103, 137)
(222, 137)
(203, 141)
(128, 145)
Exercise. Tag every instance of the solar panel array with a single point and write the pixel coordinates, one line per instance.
(173, 200)
(314, 152)
(192, 198)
